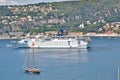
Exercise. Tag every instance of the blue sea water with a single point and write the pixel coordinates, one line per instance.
(100, 62)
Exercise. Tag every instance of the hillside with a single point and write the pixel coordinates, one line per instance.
(70, 15)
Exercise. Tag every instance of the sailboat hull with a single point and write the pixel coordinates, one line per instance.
(33, 70)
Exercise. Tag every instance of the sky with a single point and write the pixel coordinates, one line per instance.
(23, 2)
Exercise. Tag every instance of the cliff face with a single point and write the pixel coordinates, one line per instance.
(90, 9)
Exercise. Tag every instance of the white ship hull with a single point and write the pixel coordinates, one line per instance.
(55, 43)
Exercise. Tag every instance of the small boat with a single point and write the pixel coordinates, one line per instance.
(32, 70)
(10, 45)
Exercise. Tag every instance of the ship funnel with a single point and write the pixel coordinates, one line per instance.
(60, 32)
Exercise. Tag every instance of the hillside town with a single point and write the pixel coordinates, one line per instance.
(26, 17)
(13, 25)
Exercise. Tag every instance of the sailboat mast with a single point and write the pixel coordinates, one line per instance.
(33, 56)
(118, 74)
(28, 59)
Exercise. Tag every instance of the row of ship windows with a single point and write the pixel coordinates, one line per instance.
(56, 43)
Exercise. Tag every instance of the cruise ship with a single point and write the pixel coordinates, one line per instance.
(58, 41)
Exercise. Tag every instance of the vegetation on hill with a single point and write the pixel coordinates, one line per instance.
(52, 16)
(5, 12)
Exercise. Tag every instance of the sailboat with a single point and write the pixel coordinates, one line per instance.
(33, 69)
